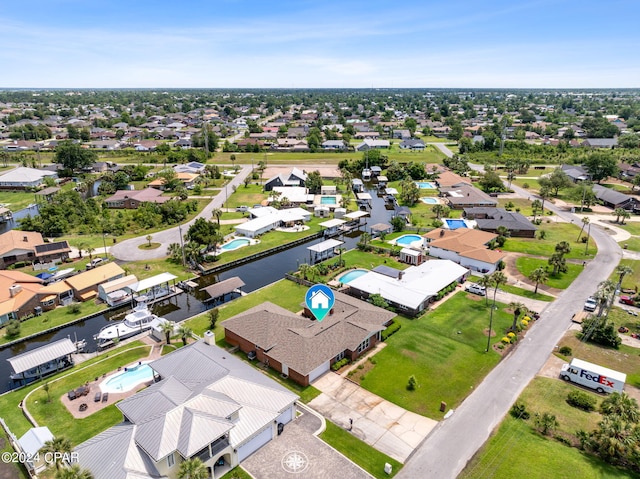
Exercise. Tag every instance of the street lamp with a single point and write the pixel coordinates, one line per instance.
(586, 247)
(184, 261)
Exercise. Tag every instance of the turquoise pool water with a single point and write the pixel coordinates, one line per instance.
(425, 185)
(351, 275)
(429, 200)
(406, 240)
(455, 224)
(235, 244)
(328, 200)
(127, 380)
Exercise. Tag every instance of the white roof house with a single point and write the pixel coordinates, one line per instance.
(23, 177)
(268, 218)
(412, 289)
(209, 405)
(295, 194)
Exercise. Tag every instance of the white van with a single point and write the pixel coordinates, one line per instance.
(476, 289)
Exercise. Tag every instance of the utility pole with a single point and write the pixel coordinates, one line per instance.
(184, 260)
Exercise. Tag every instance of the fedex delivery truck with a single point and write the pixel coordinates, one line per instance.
(591, 375)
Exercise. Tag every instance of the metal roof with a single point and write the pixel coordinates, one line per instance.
(332, 223)
(156, 280)
(224, 287)
(325, 245)
(354, 215)
(31, 359)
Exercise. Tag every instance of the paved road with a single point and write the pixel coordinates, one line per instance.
(445, 453)
(443, 148)
(128, 250)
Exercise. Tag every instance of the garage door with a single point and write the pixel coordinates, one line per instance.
(319, 371)
(255, 443)
(286, 416)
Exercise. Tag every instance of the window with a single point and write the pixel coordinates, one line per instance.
(51, 302)
(363, 345)
(340, 356)
(171, 460)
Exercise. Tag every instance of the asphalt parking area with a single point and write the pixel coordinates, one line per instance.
(298, 453)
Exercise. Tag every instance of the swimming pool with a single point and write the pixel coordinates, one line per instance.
(235, 244)
(406, 240)
(328, 200)
(455, 224)
(128, 379)
(351, 275)
(425, 185)
(429, 200)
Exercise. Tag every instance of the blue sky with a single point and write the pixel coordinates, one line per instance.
(326, 43)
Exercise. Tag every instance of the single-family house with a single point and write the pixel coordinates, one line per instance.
(401, 134)
(301, 347)
(613, 199)
(267, 218)
(188, 180)
(411, 290)
(30, 445)
(18, 295)
(132, 199)
(490, 219)
(295, 177)
(85, 285)
(600, 142)
(207, 404)
(447, 179)
(463, 195)
(23, 178)
(296, 195)
(333, 145)
(369, 144)
(467, 247)
(17, 246)
(576, 172)
(412, 144)
(117, 291)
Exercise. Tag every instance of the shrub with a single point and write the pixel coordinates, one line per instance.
(74, 308)
(519, 411)
(505, 340)
(526, 186)
(565, 351)
(13, 329)
(391, 329)
(338, 364)
(581, 400)
(412, 384)
(511, 335)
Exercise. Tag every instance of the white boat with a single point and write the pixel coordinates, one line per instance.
(137, 321)
(366, 174)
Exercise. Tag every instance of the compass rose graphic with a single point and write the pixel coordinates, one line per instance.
(295, 462)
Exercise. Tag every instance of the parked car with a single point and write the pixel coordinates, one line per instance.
(627, 300)
(96, 262)
(590, 304)
(476, 289)
(242, 209)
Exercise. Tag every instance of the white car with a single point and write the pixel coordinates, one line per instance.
(590, 304)
(476, 289)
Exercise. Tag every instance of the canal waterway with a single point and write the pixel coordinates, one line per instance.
(256, 274)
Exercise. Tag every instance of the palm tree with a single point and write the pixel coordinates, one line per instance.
(438, 210)
(535, 207)
(563, 247)
(546, 423)
(486, 282)
(82, 245)
(518, 308)
(539, 275)
(304, 270)
(216, 213)
(57, 448)
(90, 250)
(167, 329)
(193, 469)
(497, 278)
(365, 238)
(585, 222)
(192, 252)
(558, 262)
(313, 271)
(544, 193)
(185, 333)
(73, 472)
(216, 239)
(604, 294)
(340, 251)
(149, 238)
(622, 270)
(175, 252)
(618, 212)
(625, 216)
(621, 405)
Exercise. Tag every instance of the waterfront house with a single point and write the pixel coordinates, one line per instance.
(23, 178)
(132, 199)
(295, 177)
(85, 285)
(490, 219)
(18, 295)
(17, 246)
(463, 195)
(267, 218)
(467, 247)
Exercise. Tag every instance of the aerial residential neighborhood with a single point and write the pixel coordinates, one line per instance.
(319, 240)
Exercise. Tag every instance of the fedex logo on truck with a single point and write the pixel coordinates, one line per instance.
(596, 378)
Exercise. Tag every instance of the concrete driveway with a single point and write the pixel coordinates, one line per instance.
(378, 422)
(298, 452)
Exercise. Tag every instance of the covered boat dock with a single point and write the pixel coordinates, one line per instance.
(218, 292)
(323, 250)
(154, 288)
(39, 362)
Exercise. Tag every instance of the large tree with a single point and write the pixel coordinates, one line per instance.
(556, 181)
(203, 232)
(73, 157)
(314, 182)
(601, 165)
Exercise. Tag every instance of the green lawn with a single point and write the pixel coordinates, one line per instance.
(526, 265)
(631, 280)
(632, 244)
(17, 200)
(555, 233)
(365, 456)
(518, 203)
(448, 342)
(515, 450)
(51, 319)
(526, 293)
(632, 227)
(9, 402)
(237, 473)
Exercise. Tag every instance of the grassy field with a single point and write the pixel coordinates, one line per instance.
(631, 280)
(632, 244)
(526, 265)
(17, 200)
(365, 456)
(633, 227)
(526, 293)
(448, 342)
(555, 233)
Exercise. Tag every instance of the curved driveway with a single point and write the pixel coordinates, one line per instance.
(129, 250)
(445, 452)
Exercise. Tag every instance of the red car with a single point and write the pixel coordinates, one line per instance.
(627, 300)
